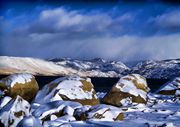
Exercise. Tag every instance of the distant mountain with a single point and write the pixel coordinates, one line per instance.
(65, 66)
(164, 69)
(97, 64)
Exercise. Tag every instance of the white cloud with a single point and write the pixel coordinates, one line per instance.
(125, 48)
(69, 33)
(61, 20)
(169, 20)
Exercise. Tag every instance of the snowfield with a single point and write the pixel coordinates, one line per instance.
(160, 111)
(71, 101)
(11, 65)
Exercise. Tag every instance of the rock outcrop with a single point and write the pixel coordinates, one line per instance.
(14, 111)
(69, 88)
(23, 85)
(105, 113)
(129, 89)
(171, 88)
(54, 110)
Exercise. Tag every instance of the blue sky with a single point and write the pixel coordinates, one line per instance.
(126, 31)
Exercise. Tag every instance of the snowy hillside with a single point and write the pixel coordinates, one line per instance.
(165, 69)
(9, 65)
(94, 68)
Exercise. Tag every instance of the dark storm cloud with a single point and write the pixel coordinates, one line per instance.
(169, 21)
(111, 34)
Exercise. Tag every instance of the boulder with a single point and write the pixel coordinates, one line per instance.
(14, 111)
(129, 89)
(60, 122)
(104, 112)
(170, 88)
(54, 110)
(99, 112)
(29, 121)
(4, 101)
(69, 88)
(81, 113)
(23, 85)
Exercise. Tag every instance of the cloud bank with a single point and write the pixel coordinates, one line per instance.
(112, 34)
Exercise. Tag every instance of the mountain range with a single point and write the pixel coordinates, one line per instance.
(164, 69)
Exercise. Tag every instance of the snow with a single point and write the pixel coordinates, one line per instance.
(7, 113)
(164, 69)
(68, 110)
(71, 87)
(4, 101)
(65, 88)
(29, 121)
(109, 113)
(100, 95)
(11, 80)
(174, 84)
(53, 107)
(159, 111)
(128, 86)
(177, 93)
(32, 65)
(96, 68)
(126, 101)
(60, 122)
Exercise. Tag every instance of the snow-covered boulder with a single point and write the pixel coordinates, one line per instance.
(53, 110)
(80, 113)
(99, 112)
(14, 111)
(29, 121)
(4, 101)
(104, 112)
(129, 89)
(60, 122)
(69, 88)
(171, 88)
(23, 85)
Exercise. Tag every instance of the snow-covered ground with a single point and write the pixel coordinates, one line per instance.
(63, 102)
(159, 111)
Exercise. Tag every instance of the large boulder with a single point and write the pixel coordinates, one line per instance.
(23, 85)
(54, 110)
(14, 111)
(171, 88)
(69, 88)
(129, 89)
